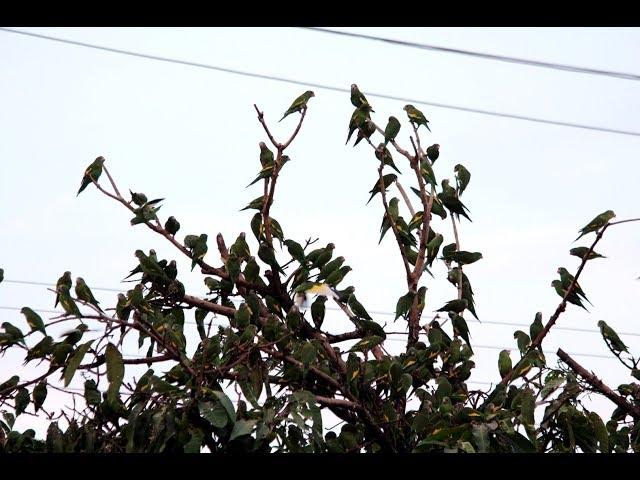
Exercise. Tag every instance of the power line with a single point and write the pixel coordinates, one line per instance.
(486, 56)
(325, 87)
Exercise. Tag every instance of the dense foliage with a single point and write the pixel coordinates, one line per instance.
(273, 350)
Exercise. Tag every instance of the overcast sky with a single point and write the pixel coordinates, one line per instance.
(191, 135)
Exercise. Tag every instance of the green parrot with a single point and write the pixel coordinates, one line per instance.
(416, 116)
(295, 250)
(298, 104)
(255, 204)
(251, 270)
(330, 267)
(433, 247)
(68, 303)
(522, 340)
(63, 281)
(343, 295)
(460, 327)
(40, 350)
(92, 172)
(358, 100)
(597, 223)
(357, 308)
(318, 311)
(321, 256)
(384, 155)
(14, 333)
(266, 155)
(391, 130)
(266, 172)
(611, 337)
(387, 180)
(73, 336)
(433, 152)
(240, 248)
(357, 120)
(450, 200)
(172, 225)
(123, 310)
(268, 256)
(536, 327)
(463, 176)
(39, 394)
(138, 198)
(457, 306)
(34, 320)
(561, 291)
(365, 131)
(566, 278)
(504, 363)
(10, 384)
(336, 277)
(83, 292)
(171, 270)
(393, 214)
(465, 258)
(199, 250)
(580, 252)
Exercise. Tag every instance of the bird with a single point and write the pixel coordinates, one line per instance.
(457, 306)
(391, 130)
(611, 337)
(597, 223)
(450, 200)
(14, 333)
(68, 303)
(561, 291)
(580, 252)
(34, 320)
(64, 280)
(504, 363)
(172, 225)
(298, 104)
(416, 116)
(308, 289)
(433, 152)
(266, 155)
(91, 174)
(358, 100)
(566, 278)
(83, 292)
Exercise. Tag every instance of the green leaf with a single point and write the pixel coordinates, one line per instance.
(115, 370)
(194, 444)
(242, 427)
(226, 403)
(214, 413)
(74, 362)
(481, 437)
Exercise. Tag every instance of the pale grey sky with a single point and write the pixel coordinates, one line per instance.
(190, 135)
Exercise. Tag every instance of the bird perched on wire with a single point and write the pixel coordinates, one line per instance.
(306, 291)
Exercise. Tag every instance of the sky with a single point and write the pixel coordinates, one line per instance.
(190, 135)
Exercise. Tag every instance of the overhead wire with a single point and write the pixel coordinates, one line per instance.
(324, 86)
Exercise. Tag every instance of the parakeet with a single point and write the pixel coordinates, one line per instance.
(580, 252)
(268, 256)
(536, 327)
(504, 363)
(357, 120)
(83, 292)
(450, 200)
(597, 223)
(172, 225)
(457, 306)
(34, 320)
(63, 281)
(337, 276)
(266, 155)
(318, 311)
(384, 155)
(92, 172)
(73, 336)
(561, 291)
(611, 337)
(295, 250)
(358, 100)
(387, 180)
(41, 349)
(240, 248)
(416, 116)
(357, 308)
(199, 250)
(298, 104)
(463, 176)
(14, 333)
(391, 130)
(566, 278)
(365, 131)
(320, 256)
(68, 304)
(433, 152)
(330, 267)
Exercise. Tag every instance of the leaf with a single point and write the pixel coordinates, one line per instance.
(481, 437)
(242, 427)
(226, 403)
(74, 362)
(194, 444)
(115, 370)
(600, 431)
(215, 414)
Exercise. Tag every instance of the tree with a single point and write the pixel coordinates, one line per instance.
(274, 351)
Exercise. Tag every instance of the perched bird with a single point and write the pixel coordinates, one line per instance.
(14, 333)
(83, 292)
(433, 152)
(295, 250)
(611, 337)
(416, 116)
(63, 281)
(320, 256)
(240, 248)
(298, 104)
(357, 308)
(268, 256)
(566, 278)
(171, 270)
(384, 155)
(68, 303)
(40, 350)
(561, 291)
(504, 363)
(266, 155)
(450, 200)
(172, 225)
(358, 100)
(357, 120)
(367, 129)
(330, 267)
(306, 290)
(457, 306)
(337, 276)
(460, 327)
(387, 180)
(391, 130)
(318, 311)
(39, 394)
(34, 320)
(73, 336)
(199, 250)
(10, 384)
(536, 327)
(463, 176)
(580, 252)
(92, 173)
(597, 223)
